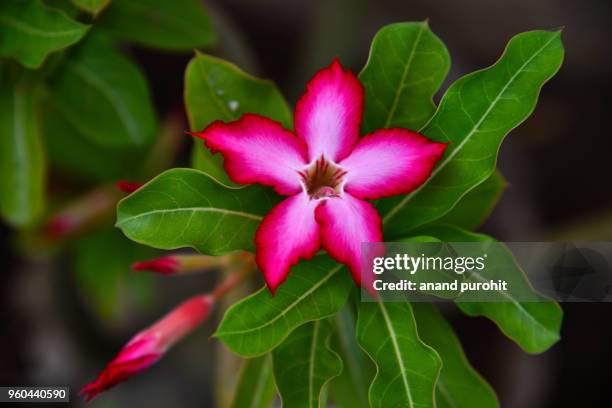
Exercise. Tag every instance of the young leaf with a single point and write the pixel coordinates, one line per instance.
(170, 25)
(474, 115)
(476, 206)
(30, 31)
(534, 325)
(22, 161)
(256, 386)
(188, 208)
(350, 388)
(459, 385)
(407, 368)
(314, 290)
(91, 6)
(407, 65)
(304, 364)
(105, 96)
(218, 90)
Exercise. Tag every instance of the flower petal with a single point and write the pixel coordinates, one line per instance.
(346, 222)
(258, 150)
(289, 232)
(328, 115)
(389, 162)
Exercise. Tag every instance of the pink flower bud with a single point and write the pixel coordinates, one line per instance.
(166, 265)
(171, 264)
(149, 345)
(128, 186)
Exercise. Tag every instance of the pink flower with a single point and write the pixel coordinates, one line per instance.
(149, 345)
(326, 170)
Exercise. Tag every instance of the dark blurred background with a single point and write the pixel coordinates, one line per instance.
(557, 164)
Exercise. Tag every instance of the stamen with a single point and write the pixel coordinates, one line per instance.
(322, 179)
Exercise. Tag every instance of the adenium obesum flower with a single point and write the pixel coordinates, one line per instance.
(150, 344)
(326, 170)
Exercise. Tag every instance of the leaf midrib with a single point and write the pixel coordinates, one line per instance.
(476, 126)
(399, 89)
(396, 350)
(311, 365)
(261, 381)
(191, 209)
(285, 311)
(116, 102)
(20, 25)
(517, 304)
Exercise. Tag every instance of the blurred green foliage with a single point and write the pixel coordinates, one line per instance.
(73, 101)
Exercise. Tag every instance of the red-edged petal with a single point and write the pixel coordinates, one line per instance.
(258, 150)
(328, 115)
(289, 232)
(347, 222)
(389, 162)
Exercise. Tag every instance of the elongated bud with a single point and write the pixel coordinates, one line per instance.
(128, 186)
(172, 264)
(149, 345)
(93, 208)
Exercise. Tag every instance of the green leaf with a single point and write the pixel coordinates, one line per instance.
(535, 325)
(474, 115)
(91, 6)
(218, 90)
(169, 25)
(77, 156)
(407, 368)
(105, 96)
(314, 290)
(407, 65)
(350, 388)
(256, 386)
(22, 161)
(106, 281)
(188, 208)
(30, 31)
(459, 385)
(304, 364)
(476, 206)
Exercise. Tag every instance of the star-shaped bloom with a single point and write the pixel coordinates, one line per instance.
(326, 170)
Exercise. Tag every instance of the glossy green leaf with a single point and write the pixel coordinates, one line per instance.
(459, 385)
(218, 90)
(189, 208)
(171, 25)
(304, 364)
(22, 161)
(105, 96)
(30, 31)
(313, 290)
(350, 388)
(107, 283)
(91, 6)
(474, 115)
(407, 65)
(535, 325)
(407, 368)
(476, 206)
(256, 386)
(75, 155)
